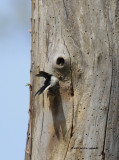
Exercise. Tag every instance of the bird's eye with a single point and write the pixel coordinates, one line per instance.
(60, 61)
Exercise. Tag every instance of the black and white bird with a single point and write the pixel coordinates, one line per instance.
(50, 81)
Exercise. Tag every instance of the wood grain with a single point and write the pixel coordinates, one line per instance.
(79, 121)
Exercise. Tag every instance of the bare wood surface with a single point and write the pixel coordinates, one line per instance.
(80, 121)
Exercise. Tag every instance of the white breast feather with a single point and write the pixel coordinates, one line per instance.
(54, 81)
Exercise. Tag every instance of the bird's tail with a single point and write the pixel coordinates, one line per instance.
(40, 90)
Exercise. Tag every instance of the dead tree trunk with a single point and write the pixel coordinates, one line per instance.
(78, 42)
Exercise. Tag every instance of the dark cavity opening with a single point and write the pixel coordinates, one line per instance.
(60, 61)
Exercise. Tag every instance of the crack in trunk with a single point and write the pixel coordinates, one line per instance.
(72, 94)
(65, 9)
(42, 121)
(103, 153)
(42, 127)
(67, 150)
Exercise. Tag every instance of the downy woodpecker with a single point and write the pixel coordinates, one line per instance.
(50, 81)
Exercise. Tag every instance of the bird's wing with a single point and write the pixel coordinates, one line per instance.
(43, 74)
(40, 90)
(45, 87)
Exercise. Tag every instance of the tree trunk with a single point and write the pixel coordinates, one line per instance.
(78, 42)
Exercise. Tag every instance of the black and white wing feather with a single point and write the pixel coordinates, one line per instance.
(50, 81)
(40, 90)
(43, 74)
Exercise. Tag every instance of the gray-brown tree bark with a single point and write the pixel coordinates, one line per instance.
(78, 42)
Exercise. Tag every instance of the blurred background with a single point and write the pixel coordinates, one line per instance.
(14, 75)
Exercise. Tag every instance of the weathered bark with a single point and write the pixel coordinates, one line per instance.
(81, 120)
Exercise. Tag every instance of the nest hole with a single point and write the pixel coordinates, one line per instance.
(60, 61)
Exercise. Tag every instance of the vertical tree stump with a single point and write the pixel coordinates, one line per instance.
(78, 42)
